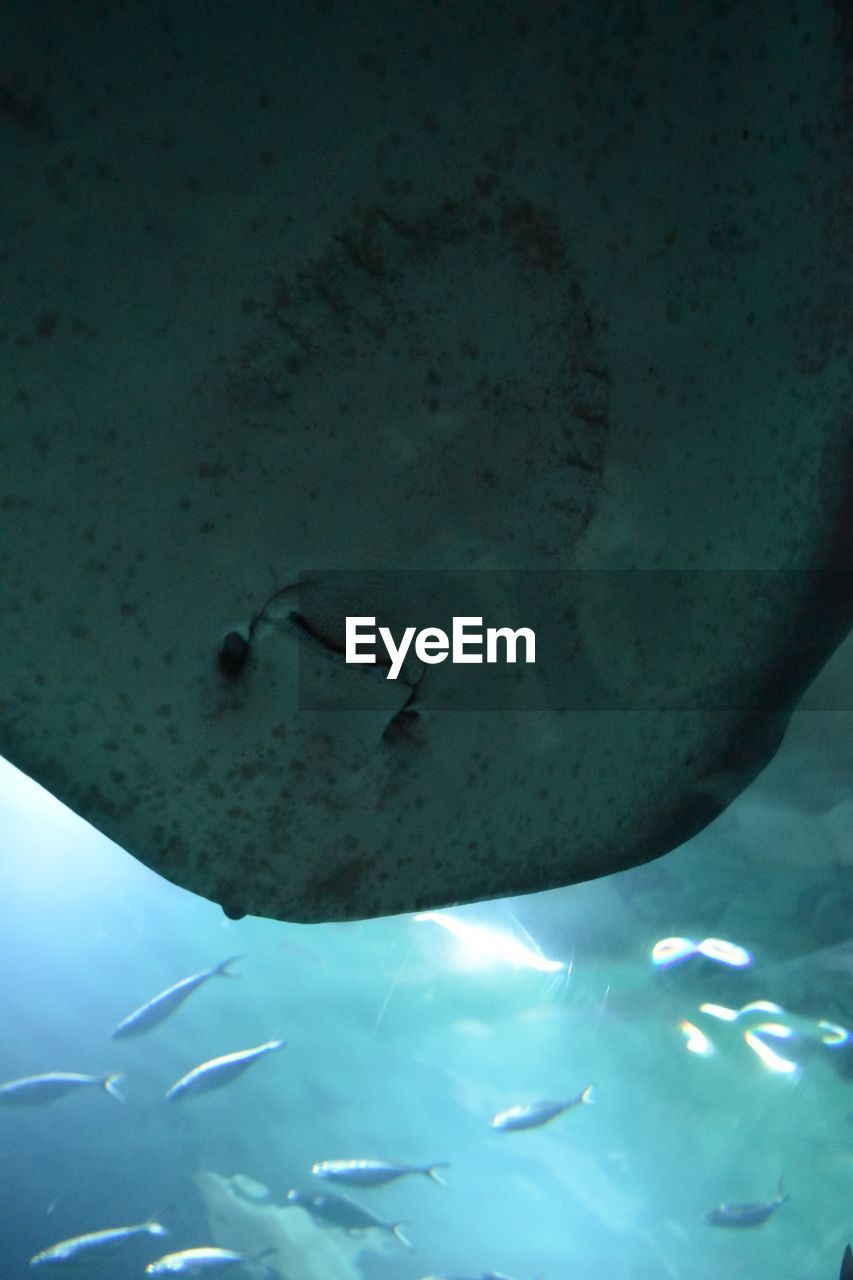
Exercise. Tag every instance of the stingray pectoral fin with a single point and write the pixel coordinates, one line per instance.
(583, 384)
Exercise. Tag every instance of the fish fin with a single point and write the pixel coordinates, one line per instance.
(397, 1232)
(221, 970)
(587, 1094)
(109, 1083)
(430, 1171)
(847, 1264)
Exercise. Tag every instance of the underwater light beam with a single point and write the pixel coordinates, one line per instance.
(483, 945)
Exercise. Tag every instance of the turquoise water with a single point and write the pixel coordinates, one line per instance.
(402, 1043)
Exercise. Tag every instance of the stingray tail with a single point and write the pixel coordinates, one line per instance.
(397, 1232)
(430, 1171)
(110, 1082)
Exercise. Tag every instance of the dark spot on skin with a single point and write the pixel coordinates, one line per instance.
(344, 882)
(28, 113)
(374, 64)
(46, 325)
(534, 236)
(486, 184)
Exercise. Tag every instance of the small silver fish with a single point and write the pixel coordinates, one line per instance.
(80, 1248)
(373, 1173)
(35, 1091)
(745, 1215)
(159, 1007)
(340, 1211)
(204, 1261)
(219, 1071)
(533, 1114)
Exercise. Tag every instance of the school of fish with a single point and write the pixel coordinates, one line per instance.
(327, 1208)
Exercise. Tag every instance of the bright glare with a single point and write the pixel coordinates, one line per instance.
(832, 1034)
(671, 950)
(773, 1061)
(481, 946)
(719, 1011)
(725, 952)
(778, 1029)
(696, 1040)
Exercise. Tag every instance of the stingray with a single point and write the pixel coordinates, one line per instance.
(536, 313)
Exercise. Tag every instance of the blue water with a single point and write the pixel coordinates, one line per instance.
(401, 1046)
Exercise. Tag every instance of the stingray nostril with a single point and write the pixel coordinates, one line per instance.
(233, 655)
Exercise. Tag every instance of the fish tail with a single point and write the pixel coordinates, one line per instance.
(397, 1231)
(430, 1171)
(587, 1094)
(264, 1253)
(781, 1193)
(109, 1083)
(221, 970)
